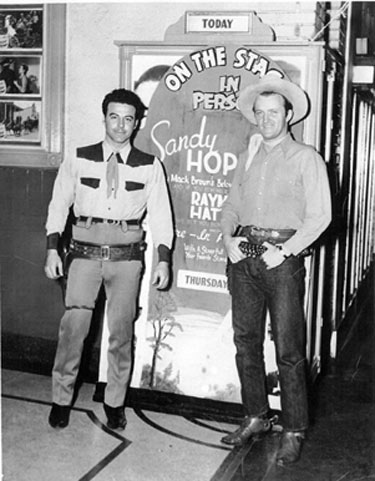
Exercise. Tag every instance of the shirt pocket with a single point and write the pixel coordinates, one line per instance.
(131, 186)
(90, 182)
(285, 183)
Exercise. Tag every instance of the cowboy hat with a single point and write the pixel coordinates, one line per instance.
(271, 83)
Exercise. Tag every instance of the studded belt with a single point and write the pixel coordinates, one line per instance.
(251, 250)
(256, 236)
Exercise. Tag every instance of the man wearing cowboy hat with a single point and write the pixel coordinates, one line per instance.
(278, 205)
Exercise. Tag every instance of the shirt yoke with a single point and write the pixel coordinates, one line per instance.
(94, 152)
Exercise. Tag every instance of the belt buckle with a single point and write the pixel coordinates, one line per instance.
(258, 231)
(105, 253)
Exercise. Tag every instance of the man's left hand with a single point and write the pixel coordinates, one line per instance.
(273, 256)
(161, 275)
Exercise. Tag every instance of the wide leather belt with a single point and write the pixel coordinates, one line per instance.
(258, 235)
(114, 252)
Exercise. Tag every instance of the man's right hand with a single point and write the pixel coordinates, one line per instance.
(53, 266)
(231, 246)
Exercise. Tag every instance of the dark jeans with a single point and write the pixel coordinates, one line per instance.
(281, 290)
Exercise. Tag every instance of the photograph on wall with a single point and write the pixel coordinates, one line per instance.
(20, 75)
(21, 28)
(20, 121)
(194, 127)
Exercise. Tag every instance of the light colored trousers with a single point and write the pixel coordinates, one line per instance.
(121, 281)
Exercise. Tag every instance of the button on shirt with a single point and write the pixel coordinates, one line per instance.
(81, 182)
(285, 188)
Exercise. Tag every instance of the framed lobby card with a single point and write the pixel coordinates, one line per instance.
(21, 53)
(28, 75)
(32, 40)
(21, 27)
(21, 121)
(184, 335)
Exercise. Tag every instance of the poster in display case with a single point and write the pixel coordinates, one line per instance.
(184, 335)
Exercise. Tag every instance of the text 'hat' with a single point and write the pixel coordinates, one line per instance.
(272, 83)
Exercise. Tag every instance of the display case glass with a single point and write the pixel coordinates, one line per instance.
(184, 335)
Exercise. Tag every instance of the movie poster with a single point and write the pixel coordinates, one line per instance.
(184, 338)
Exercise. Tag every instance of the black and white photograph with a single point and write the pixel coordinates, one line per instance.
(187, 240)
(21, 28)
(20, 121)
(20, 75)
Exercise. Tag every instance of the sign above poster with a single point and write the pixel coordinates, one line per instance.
(228, 22)
(211, 27)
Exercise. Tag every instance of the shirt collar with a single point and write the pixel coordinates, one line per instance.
(283, 144)
(108, 151)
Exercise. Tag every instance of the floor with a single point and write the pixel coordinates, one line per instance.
(341, 441)
(157, 446)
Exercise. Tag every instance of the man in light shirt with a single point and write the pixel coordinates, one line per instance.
(110, 186)
(278, 205)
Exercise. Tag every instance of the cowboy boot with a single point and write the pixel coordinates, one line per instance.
(252, 426)
(290, 447)
(59, 416)
(116, 418)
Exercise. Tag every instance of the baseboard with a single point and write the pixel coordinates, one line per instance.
(188, 406)
(36, 355)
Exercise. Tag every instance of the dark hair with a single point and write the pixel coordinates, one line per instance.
(25, 67)
(153, 74)
(287, 104)
(123, 96)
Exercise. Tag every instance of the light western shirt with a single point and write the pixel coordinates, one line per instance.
(285, 188)
(81, 182)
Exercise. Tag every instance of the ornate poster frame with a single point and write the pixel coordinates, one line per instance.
(137, 58)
